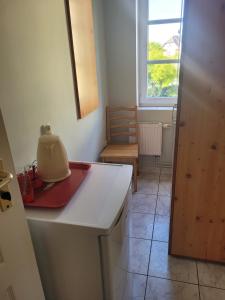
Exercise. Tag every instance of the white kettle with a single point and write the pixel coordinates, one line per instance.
(52, 161)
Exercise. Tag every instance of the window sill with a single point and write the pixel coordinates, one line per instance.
(165, 102)
(155, 108)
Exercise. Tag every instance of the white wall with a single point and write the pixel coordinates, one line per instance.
(36, 83)
(120, 29)
(119, 16)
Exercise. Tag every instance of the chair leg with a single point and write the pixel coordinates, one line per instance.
(138, 167)
(135, 175)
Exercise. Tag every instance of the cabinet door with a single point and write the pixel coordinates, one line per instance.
(198, 204)
(115, 257)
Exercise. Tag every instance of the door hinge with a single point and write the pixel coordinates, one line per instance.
(5, 200)
(5, 196)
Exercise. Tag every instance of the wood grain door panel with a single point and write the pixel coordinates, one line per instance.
(198, 200)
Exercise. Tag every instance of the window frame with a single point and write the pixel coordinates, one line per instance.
(142, 37)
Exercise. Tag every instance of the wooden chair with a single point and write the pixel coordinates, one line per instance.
(122, 124)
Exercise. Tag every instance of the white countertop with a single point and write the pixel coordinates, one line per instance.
(96, 204)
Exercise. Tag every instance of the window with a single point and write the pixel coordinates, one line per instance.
(159, 45)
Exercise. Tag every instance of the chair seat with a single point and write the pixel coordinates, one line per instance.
(120, 151)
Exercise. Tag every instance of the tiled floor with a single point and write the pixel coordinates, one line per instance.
(153, 274)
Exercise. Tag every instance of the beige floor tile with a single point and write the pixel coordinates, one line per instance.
(134, 298)
(148, 184)
(165, 266)
(145, 169)
(161, 228)
(140, 225)
(135, 287)
(211, 274)
(165, 185)
(166, 171)
(162, 289)
(208, 293)
(138, 255)
(143, 203)
(163, 205)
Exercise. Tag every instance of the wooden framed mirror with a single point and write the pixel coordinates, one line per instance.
(83, 54)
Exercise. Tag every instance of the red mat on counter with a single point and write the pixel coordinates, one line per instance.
(61, 192)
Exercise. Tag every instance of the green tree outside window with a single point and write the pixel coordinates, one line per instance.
(162, 79)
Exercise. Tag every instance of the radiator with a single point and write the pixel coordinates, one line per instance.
(150, 138)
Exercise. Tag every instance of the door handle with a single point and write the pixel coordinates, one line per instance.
(5, 178)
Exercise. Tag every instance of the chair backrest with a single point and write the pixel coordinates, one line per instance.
(121, 122)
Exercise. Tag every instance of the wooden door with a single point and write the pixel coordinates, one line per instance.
(198, 200)
(19, 277)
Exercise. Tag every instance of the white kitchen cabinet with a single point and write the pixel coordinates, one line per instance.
(81, 249)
